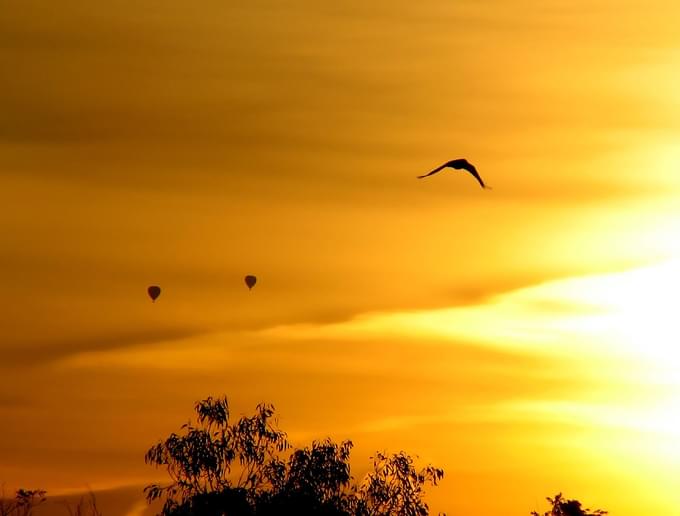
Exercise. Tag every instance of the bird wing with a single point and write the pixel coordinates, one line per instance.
(471, 168)
(434, 171)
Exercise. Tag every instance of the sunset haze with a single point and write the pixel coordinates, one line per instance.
(525, 338)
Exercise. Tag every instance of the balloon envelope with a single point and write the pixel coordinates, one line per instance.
(154, 292)
(250, 281)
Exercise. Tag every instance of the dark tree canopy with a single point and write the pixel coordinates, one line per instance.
(247, 467)
(25, 500)
(562, 507)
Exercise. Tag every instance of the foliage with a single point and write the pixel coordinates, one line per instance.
(25, 500)
(200, 461)
(562, 507)
(248, 468)
(395, 487)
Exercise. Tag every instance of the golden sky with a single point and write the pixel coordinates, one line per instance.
(525, 338)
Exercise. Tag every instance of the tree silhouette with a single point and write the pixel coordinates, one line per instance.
(248, 468)
(395, 487)
(25, 500)
(562, 507)
(200, 461)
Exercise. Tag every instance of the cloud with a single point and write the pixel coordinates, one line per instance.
(41, 351)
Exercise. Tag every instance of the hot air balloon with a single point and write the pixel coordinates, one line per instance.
(250, 281)
(154, 291)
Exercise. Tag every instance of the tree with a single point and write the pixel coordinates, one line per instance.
(25, 500)
(314, 480)
(200, 461)
(248, 468)
(395, 487)
(562, 507)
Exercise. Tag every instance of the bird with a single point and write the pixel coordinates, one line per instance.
(459, 164)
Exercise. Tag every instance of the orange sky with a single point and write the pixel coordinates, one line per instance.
(522, 338)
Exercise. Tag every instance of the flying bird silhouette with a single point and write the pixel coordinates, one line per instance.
(458, 164)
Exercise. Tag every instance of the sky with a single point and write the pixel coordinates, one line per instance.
(522, 338)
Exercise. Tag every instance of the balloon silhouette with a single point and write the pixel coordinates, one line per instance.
(250, 281)
(154, 292)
